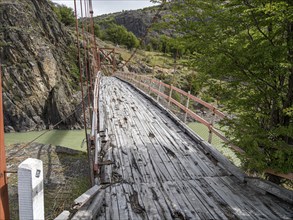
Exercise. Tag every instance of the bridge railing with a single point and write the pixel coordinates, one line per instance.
(183, 104)
(95, 119)
(187, 107)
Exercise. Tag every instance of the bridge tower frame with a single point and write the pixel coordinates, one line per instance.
(106, 57)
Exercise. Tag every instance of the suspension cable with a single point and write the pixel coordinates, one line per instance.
(94, 44)
(36, 138)
(85, 45)
(81, 87)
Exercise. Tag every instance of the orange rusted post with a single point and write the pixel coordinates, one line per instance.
(4, 205)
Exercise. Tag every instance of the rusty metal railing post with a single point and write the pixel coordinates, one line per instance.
(140, 81)
(210, 138)
(114, 61)
(186, 106)
(150, 85)
(170, 96)
(4, 204)
(158, 97)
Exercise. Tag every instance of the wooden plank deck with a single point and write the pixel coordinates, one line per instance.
(158, 172)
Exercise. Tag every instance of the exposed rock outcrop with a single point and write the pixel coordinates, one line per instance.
(37, 56)
(138, 21)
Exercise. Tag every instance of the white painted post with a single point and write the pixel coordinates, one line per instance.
(187, 106)
(31, 190)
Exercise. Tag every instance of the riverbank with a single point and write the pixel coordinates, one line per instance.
(65, 175)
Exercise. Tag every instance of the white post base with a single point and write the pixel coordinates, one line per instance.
(31, 190)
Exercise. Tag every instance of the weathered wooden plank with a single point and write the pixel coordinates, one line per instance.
(96, 204)
(186, 207)
(175, 142)
(201, 200)
(133, 214)
(160, 201)
(148, 202)
(108, 203)
(82, 199)
(106, 171)
(114, 212)
(92, 210)
(63, 216)
(122, 203)
(150, 176)
(205, 146)
(269, 187)
(171, 199)
(137, 173)
(239, 206)
(136, 200)
(155, 146)
(252, 199)
(155, 159)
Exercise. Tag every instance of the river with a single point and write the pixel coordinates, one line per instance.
(217, 143)
(67, 138)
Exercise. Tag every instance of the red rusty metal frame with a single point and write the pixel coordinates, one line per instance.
(4, 205)
(132, 77)
(95, 121)
(108, 59)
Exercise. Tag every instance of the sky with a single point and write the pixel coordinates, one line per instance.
(104, 7)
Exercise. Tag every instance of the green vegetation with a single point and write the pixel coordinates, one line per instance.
(64, 14)
(117, 34)
(167, 45)
(71, 139)
(97, 30)
(243, 53)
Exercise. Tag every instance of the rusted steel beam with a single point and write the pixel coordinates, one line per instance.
(4, 204)
(109, 55)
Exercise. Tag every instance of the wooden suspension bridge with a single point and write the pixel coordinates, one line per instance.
(147, 164)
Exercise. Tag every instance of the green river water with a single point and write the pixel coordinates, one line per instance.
(203, 132)
(67, 138)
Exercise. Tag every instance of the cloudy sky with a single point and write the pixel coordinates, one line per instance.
(103, 7)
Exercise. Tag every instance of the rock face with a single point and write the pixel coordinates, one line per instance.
(36, 55)
(135, 21)
(138, 21)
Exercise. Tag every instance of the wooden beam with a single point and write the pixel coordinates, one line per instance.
(271, 188)
(89, 194)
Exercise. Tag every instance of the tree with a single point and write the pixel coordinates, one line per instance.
(97, 30)
(245, 49)
(64, 14)
(131, 41)
(119, 35)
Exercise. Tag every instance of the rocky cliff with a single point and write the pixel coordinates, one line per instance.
(38, 67)
(138, 21)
